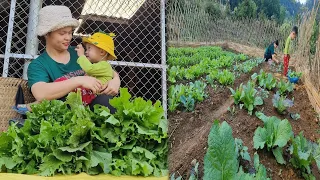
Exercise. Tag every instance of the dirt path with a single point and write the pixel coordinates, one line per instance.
(189, 131)
(178, 159)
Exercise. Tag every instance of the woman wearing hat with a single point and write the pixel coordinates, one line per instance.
(59, 60)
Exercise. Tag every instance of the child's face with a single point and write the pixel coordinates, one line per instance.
(293, 35)
(93, 53)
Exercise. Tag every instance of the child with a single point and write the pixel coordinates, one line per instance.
(269, 54)
(99, 49)
(287, 49)
(94, 62)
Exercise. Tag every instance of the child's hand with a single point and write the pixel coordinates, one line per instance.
(80, 50)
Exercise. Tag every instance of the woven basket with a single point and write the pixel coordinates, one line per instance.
(8, 90)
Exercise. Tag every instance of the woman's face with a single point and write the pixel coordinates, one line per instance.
(59, 39)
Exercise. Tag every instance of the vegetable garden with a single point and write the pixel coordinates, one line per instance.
(233, 117)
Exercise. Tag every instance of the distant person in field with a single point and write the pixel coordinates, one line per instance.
(288, 49)
(269, 54)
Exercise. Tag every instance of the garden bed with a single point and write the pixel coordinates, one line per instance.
(189, 130)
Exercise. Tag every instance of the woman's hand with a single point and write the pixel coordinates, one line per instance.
(89, 83)
(112, 87)
(80, 50)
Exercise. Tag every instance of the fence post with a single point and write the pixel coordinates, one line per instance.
(32, 39)
(7, 52)
(163, 55)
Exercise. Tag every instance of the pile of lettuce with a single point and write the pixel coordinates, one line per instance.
(66, 137)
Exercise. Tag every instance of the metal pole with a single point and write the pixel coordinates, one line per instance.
(32, 39)
(9, 39)
(163, 55)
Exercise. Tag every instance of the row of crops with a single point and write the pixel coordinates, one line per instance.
(191, 70)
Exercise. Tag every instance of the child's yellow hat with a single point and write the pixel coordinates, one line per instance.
(103, 41)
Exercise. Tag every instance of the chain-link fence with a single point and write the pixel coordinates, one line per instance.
(192, 21)
(139, 26)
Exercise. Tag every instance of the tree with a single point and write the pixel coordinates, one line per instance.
(310, 3)
(247, 9)
(282, 15)
(213, 9)
(228, 10)
(292, 6)
(234, 3)
(271, 8)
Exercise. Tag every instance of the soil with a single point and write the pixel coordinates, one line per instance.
(189, 131)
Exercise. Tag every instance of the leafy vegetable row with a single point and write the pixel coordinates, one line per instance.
(249, 96)
(185, 57)
(185, 96)
(247, 66)
(191, 63)
(277, 134)
(177, 73)
(66, 137)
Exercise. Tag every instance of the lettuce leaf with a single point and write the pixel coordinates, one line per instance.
(220, 161)
(274, 135)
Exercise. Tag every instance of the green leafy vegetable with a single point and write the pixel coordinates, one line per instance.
(242, 150)
(213, 75)
(260, 78)
(247, 94)
(226, 77)
(260, 168)
(262, 93)
(281, 103)
(194, 174)
(295, 116)
(241, 57)
(58, 139)
(248, 65)
(270, 82)
(284, 87)
(172, 177)
(188, 102)
(303, 154)
(186, 95)
(265, 80)
(301, 151)
(274, 135)
(237, 94)
(221, 160)
(174, 93)
(293, 74)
